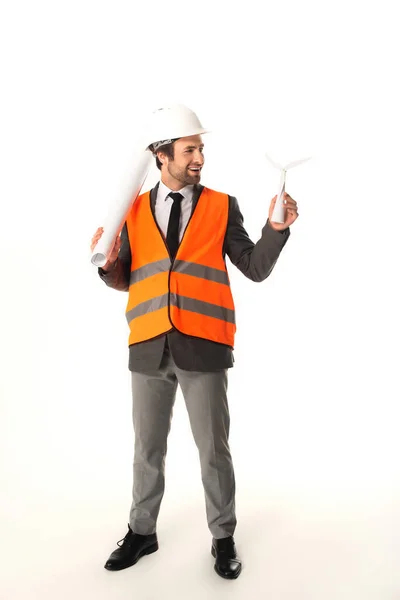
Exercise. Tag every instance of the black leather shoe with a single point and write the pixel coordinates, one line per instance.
(227, 563)
(133, 547)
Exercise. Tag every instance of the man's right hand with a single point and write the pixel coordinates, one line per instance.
(115, 251)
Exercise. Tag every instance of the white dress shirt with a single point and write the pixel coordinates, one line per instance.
(164, 204)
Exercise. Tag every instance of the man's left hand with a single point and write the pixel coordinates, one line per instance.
(290, 212)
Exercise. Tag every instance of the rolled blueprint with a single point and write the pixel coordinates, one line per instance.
(119, 210)
(278, 214)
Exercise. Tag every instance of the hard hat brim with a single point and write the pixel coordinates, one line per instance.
(198, 131)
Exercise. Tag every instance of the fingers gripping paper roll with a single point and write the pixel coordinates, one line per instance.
(278, 214)
(119, 210)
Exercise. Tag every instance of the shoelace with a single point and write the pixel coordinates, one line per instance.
(120, 542)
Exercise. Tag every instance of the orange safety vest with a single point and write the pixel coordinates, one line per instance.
(191, 294)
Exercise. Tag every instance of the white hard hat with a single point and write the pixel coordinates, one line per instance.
(172, 122)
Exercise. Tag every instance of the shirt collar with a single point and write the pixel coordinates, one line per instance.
(187, 191)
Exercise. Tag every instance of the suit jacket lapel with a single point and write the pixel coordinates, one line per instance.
(153, 198)
(196, 195)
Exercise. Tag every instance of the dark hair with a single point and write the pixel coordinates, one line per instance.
(167, 149)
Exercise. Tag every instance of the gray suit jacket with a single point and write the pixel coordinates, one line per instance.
(256, 262)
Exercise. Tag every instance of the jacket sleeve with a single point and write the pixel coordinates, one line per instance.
(118, 276)
(255, 261)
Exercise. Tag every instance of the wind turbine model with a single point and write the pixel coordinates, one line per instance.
(278, 214)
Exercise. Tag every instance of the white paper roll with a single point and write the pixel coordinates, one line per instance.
(119, 210)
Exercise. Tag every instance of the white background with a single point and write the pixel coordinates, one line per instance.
(314, 392)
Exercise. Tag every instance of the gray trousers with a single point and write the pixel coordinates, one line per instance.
(205, 395)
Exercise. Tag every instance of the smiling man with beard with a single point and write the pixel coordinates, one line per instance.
(171, 258)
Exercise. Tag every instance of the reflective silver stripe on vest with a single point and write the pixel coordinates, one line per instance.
(180, 266)
(147, 307)
(203, 308)
(196, 270)
(185, 303)
(159, 266)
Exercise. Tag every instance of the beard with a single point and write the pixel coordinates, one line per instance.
(183, 175)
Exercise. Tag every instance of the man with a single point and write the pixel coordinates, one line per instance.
(171, 259)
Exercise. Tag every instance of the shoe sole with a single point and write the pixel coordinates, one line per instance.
(149, 550)
(234, 576)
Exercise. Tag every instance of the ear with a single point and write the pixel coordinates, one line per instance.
(161, 157)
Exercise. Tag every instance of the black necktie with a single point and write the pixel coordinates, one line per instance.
(173, 223)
